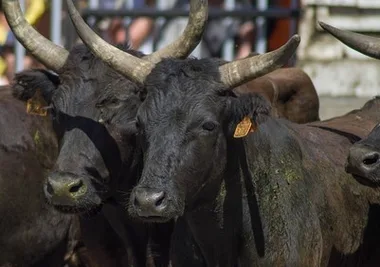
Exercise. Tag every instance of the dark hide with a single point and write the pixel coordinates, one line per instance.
(278, 197)
(356, 124)
(32, 233)
(363, 160)
(93, 112)
(290, 91)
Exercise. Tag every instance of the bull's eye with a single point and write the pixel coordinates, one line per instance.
(114, 102)
(137, 124)
(209, 126)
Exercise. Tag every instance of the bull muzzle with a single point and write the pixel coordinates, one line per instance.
(64, 189)
(149, 202)
(364, 162)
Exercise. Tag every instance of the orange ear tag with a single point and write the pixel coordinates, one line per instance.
(244, 128)
(37, 104)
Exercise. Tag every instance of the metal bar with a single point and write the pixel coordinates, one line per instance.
(19, 49)
(293, 28)
(92, 4)
(158, 24)
(294, 4)
(56, 21)
(228, 47)
(261, 28)
(129, 5)
(178, 12)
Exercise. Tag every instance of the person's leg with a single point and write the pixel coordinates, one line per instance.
(116, 31)
(245, 39)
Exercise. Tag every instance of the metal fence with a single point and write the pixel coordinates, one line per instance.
(260, 13)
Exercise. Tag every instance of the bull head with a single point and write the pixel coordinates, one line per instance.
(232, 74)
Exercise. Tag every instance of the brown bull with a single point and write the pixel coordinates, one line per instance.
(290, 91)
(31, 232)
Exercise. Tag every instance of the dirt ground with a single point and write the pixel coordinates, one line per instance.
(336, 106)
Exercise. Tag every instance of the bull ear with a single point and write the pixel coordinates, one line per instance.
(245, 113)
(26, 83)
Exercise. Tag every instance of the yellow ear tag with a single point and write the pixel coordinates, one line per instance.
(37, 104)
(244, 128)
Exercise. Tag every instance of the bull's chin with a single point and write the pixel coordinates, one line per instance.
(366, 181)
(360, 177)
(154, 219)
(82, 210)
(151, 218)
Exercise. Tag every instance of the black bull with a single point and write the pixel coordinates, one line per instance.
(32, 233)
(279, 197)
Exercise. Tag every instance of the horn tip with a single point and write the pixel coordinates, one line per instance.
(325, 26)
(296, 39)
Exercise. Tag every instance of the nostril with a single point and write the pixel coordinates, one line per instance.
(160, 199)
(371, 159)
(76, 187)
(49, 188)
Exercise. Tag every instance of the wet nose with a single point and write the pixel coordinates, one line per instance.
(371, 160)
(64, 189)
(362, 160)
(149, 202)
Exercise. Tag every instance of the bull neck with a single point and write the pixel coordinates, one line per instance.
(220, 227)
(216, 225)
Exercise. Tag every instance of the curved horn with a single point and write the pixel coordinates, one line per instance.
(243, 70)
(50, 54)
(191, 36)
(132, 67)
(367, 45)
(135, 68)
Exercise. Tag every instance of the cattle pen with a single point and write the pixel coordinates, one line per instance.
(224, 137)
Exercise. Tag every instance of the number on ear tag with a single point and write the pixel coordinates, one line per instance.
(37, 104)
(244, 128)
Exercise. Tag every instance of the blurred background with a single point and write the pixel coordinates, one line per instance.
(343, 78)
